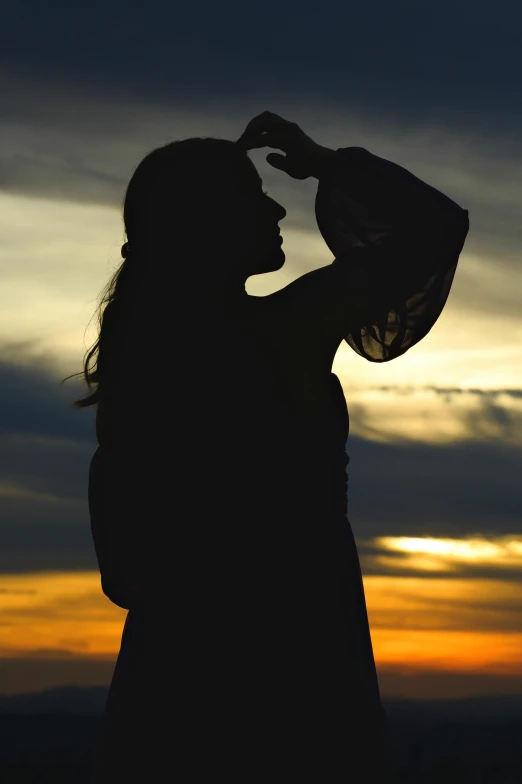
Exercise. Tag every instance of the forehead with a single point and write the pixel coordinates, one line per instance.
(248, 174)
(254, 171)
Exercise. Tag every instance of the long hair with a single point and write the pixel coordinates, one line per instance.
(174, 190)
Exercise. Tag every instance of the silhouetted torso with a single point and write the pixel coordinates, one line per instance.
(254, 583)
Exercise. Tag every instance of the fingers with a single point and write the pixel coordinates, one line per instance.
(263, 122)
(257, 140)
(277, 161)
(251, 142)
(266, 123)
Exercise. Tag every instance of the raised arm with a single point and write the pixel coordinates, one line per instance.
(396, 242)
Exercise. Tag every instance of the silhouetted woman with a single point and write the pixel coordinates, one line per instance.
(218, 493)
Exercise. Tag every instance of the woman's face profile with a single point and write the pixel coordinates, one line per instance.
(256, 240)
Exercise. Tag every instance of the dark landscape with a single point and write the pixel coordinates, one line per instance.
(49, 736)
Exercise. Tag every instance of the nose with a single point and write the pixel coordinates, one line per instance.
(280, 210)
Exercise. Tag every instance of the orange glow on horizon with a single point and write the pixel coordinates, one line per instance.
(63, 613)
(417, 623)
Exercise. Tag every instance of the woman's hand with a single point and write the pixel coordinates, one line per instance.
(304, 157)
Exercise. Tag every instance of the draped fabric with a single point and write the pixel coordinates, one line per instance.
(414, 234)
(218, 500)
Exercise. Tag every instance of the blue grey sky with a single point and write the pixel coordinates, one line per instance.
(88, 89)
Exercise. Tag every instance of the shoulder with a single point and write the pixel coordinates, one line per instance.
(293, 317)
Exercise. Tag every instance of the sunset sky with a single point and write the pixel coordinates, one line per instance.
(435, 446)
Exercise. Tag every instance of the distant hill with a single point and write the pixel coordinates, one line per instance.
(91, 701)
(488, 707)
(88, 700)
(49, 736)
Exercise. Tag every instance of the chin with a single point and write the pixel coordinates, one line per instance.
(273, 263)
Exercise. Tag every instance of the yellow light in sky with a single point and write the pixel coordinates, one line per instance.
(446, 554)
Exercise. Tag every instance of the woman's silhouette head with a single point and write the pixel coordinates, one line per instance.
(204, 196)
(198, 224)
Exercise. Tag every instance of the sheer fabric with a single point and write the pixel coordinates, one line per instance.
(415, 235)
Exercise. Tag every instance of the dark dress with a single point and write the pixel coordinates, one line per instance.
(218, 503)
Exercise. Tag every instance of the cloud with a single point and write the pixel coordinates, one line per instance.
(73, 144)
(52, 177)
(35, 403)
(140, 51)
(416, 603)
(45, 450)
(436, 414)
(25, 673)
(19, 591)
(80, 109)
(416, 489)
(396, 488)
(434, 558)
(448, 392)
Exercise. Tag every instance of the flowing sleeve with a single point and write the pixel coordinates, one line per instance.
(396, 242)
